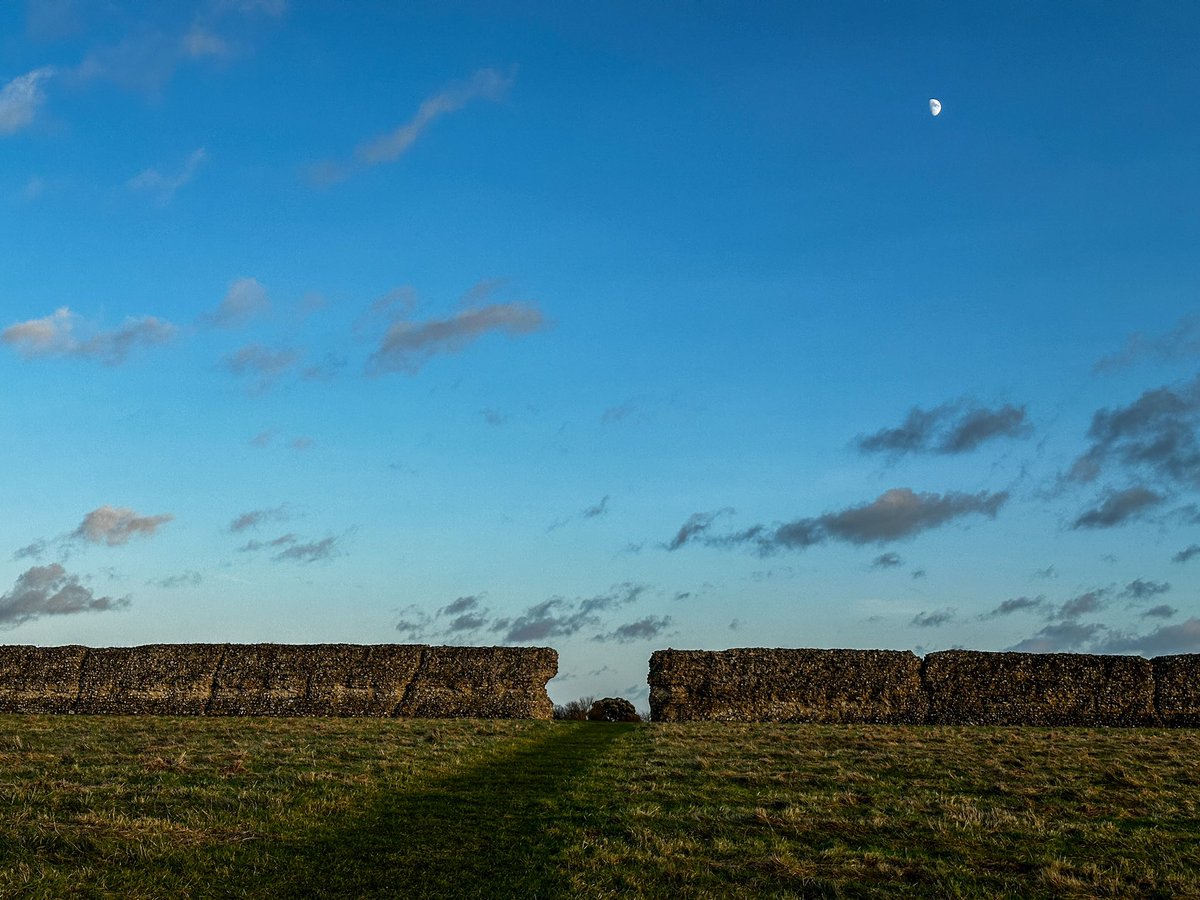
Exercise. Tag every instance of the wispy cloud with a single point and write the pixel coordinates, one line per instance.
(934, 619)
(558, 617)
(64, 334)
(245, 300)
(461, 605)
(114, 526)
(896, 514)
(1064, 636)
(619, 413)
(1017, 604)
(255, 517)
(1155, 434)
(21, 98)
(200, 41)
(311, 551)
(1181, 342)
(1083, 604)
(550, 618)
(31, 551)
(1163, 641)
(1119, 507)
(485, 84)
(1143, 589)
(407, 345)
(1162, 611)
(645, 629)
(262, 365)
(620, 595)
(284, 540)
(555, 617)
(163, 185)
(1186, 553)
(183, 579)
(887, 561)
(142, 61)
(291, 549)
(697, 525)
(464, 615)
(952, 428)
(598, 510)
(50, 591)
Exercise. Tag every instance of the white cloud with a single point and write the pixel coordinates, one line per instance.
(408, 345)
(50, 591)
(115, 526)
(58, 335)
(487, 84)
(21, 98)
(1163, 641)
(200, 42)
(260, 363)
(244, 300)
(163, 186)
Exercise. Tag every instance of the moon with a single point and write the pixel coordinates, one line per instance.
(935, 106)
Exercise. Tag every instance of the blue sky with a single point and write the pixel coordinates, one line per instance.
(604, 328)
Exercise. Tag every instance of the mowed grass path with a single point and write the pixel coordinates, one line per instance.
(191, 807)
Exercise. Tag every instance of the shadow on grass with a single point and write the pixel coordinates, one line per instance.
(493, 830)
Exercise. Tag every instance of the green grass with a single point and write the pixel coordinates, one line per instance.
(179, 807)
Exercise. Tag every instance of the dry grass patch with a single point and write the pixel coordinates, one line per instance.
(153, 807)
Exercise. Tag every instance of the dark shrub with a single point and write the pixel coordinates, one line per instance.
(575, 710)
(613, 709)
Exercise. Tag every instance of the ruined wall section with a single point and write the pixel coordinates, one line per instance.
(410, 680)
(955, 687)
(776, 685)
(1177, 688)
(968, 687)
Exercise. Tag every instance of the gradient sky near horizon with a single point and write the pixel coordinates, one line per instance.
(605, 328)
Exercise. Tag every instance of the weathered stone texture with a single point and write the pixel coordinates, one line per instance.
(484, 682)
(784, 685)
(968, 687)
(313, 679)
(40, 679)
(154, 679)
(280, 680)
(1177, 688)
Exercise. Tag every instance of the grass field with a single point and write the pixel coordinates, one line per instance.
(178, 807)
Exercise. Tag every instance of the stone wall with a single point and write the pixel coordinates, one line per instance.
(1177, 688)
(956, 687)
(410, 680)
(967, 687)
(759, 685)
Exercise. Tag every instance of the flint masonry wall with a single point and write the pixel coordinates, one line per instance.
(760, 685)
(968, 687)
(407, 680)
(955, 687)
